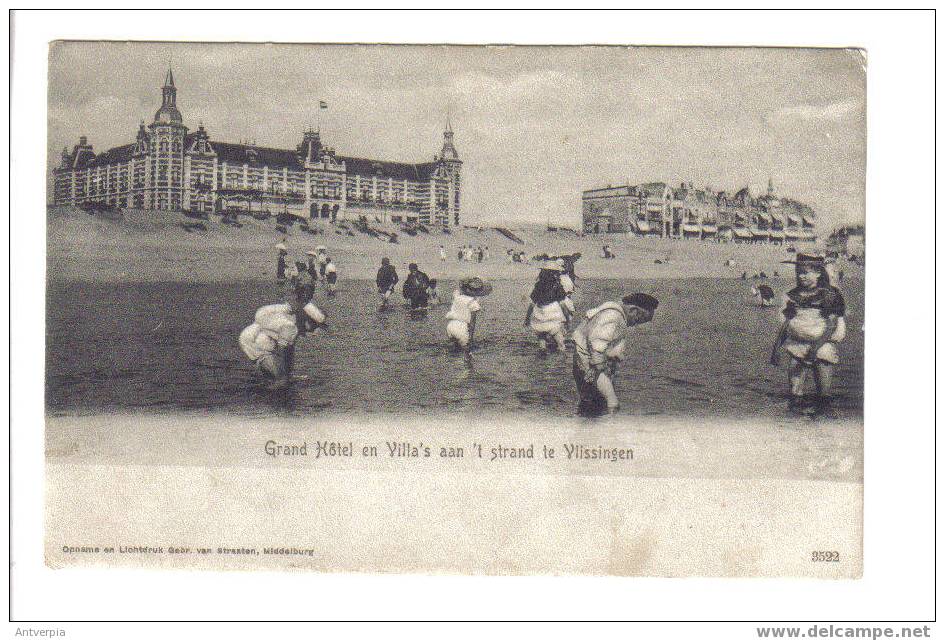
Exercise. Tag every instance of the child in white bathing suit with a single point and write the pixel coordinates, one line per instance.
(433, 296)
(461, 319)
(813, 325)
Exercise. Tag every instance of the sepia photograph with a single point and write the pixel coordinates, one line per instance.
(566, 271)
(512, 316)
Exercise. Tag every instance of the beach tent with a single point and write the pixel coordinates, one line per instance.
(708, 229)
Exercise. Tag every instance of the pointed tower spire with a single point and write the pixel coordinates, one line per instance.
(168, 111)
(448, 152)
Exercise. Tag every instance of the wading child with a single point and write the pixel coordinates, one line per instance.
(813, 325)
(550, 308)
(461, 319)
(431, 292)
(386, 280)
(599, 343)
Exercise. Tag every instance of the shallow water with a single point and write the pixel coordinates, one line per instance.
(173, 346)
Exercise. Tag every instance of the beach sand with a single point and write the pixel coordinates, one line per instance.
(150, 246)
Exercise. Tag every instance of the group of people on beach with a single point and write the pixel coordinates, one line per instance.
(319, 267)
(813, 323)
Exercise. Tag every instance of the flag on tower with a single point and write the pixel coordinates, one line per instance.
(322, 104)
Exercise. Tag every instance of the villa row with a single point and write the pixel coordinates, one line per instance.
(658, 209)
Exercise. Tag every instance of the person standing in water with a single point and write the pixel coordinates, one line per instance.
(312, 268)
(281, 261)
(415, 287)
(461, 319)
(550, 309)
(331, 276)
(764, 294)
(442, 253)
(322, 259)
(434, 296)
(813, 325)
(386, 280)
(599, 343)
(270, 340)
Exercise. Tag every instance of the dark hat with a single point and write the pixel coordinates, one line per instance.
(475, 287)
(808, 259)
(413, 267)
(643, 301)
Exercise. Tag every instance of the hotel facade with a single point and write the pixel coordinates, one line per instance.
(659, 209)
(170, 168)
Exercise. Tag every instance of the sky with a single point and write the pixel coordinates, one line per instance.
(534, 126)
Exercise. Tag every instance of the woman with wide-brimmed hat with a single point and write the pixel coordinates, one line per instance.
(461, 319)
(813, 325)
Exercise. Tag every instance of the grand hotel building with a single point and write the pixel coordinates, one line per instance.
(170, 168)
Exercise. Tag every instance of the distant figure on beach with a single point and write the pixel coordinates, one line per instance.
(386, 280)
(442, 253)
(764, 294)
(813, 325)
(312, 266)
(331, 276)
(432, 294)
(461, 253)
(550, 309)
(461, 319)
(744, 275)
(508, 253)
(599, 343)
(281, 261)
(608, 253)
(415, 287)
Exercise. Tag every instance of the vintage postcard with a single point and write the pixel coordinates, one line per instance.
(456, 309)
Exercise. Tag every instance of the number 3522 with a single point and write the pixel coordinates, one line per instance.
(825, 557)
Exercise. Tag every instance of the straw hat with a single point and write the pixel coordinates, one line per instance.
(553, 265)
(282, 247)
(475, 287)
(312, 253)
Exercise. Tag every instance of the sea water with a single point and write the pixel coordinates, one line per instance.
(167, 347)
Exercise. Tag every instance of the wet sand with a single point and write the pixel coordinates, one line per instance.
(153, 247)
